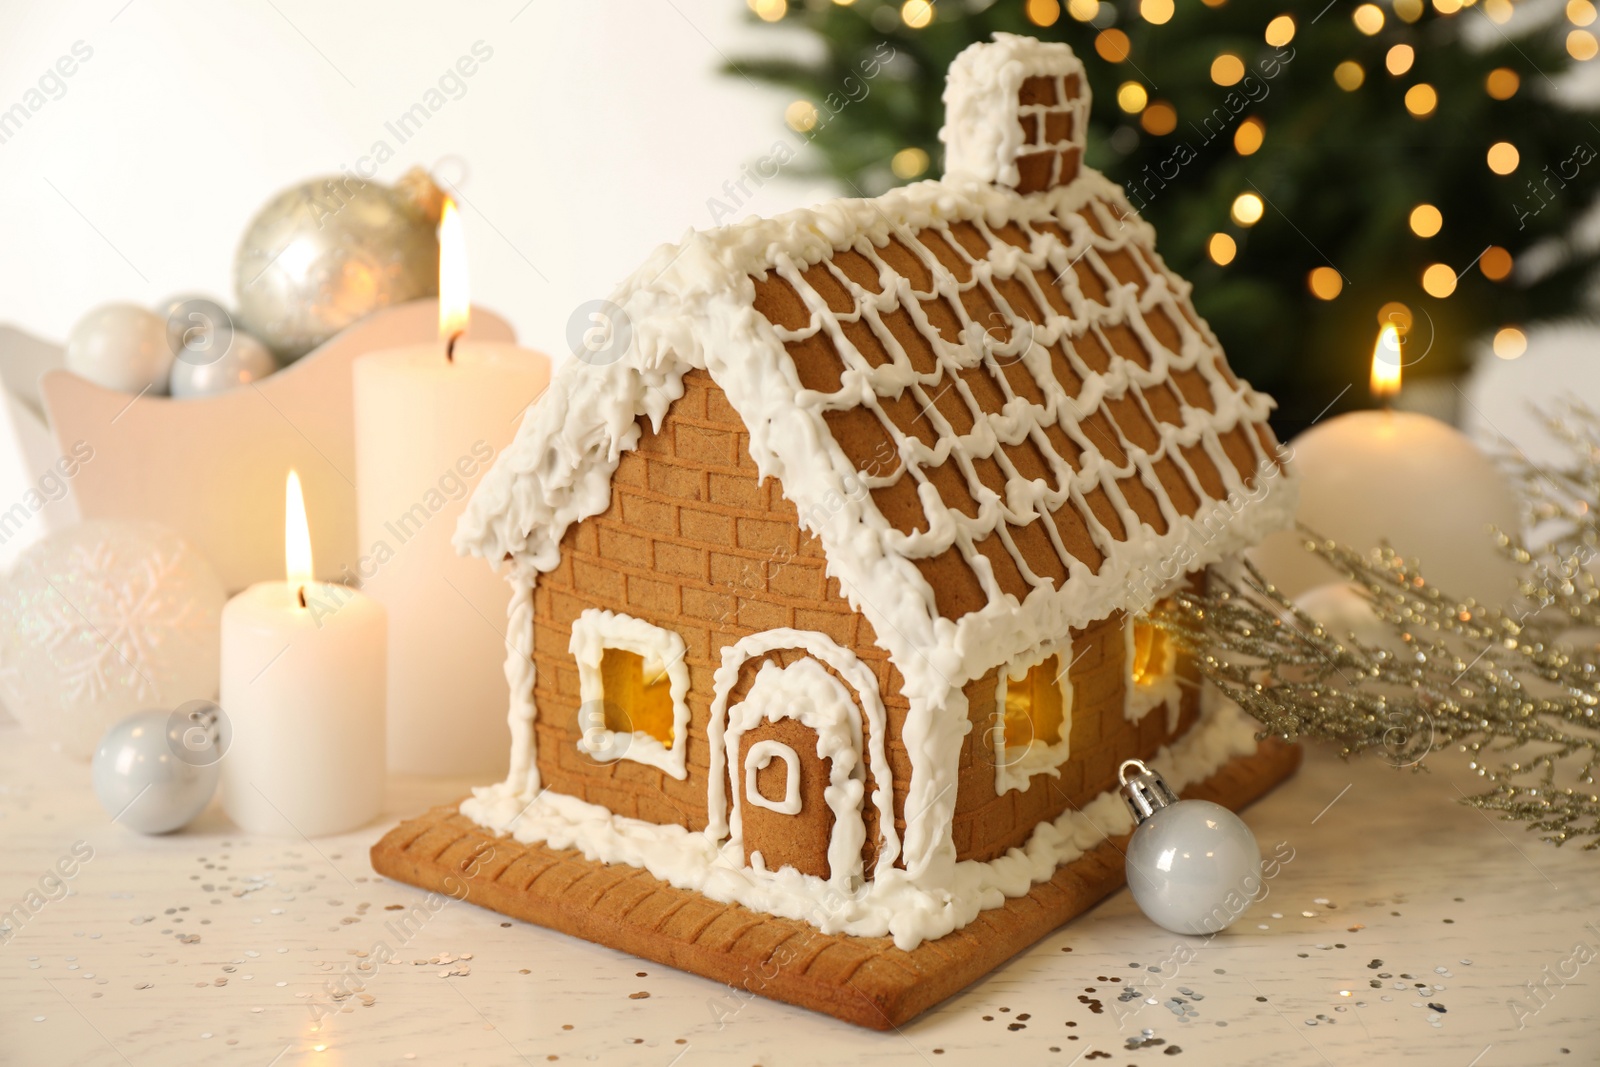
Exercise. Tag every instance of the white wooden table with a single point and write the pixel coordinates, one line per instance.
(210, 946)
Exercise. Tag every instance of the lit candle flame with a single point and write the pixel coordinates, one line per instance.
(454, 305)
(296, 540)
(1386, 363)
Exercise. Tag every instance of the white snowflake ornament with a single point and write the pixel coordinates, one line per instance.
(102, 619)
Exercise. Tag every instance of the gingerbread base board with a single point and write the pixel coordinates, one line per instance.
(861, 980)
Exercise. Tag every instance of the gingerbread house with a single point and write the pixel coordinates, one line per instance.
(829, 574)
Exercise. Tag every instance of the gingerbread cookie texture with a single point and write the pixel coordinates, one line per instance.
(830, 572)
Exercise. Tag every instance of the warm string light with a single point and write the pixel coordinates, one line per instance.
(1280, 31)
(1426, 220)
(1043, 12)
(1349, 75)
(801, 116)
(1222, 249)
(1248, 138)
(916, 13)
(1159, 119)
(1325, 283)
(1132, 97)
(1227, 69)
(1510, 342)
(1438, 280)
(1247, 209)
(769, 10)
(1112, 45)
(909, 163)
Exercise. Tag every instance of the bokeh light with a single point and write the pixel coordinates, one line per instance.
(916, 13)
(1112, 45)
(1227, 69)
(1159, 119)
(1349, 75)
(1247, 209)
(909, 163)
(1248, 137)
(1438, 280)
(1503, 157)
(1399, 59)
(1325, 283)
(1502, 83)
(1510, 342)
(1156, 12)
(1368, 18)
(1421, 99)
(1043, 12)
(1280, 31)
(1221, 248)
(1426, 220)
(1131, 97)
(1495, 263)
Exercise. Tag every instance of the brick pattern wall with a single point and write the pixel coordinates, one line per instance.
(986, 824)
(691, 542)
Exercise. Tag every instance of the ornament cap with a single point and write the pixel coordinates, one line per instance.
(1143, 790)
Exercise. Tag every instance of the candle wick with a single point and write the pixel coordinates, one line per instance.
(450, 346)
(301, 593)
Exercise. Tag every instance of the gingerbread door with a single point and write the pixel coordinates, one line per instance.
(796, 774)
(783, 781)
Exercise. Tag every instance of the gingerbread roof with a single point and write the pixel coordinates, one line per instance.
(997, 410)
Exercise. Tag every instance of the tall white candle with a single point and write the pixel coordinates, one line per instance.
(1401, 478)
(303, 688)
(429, 419)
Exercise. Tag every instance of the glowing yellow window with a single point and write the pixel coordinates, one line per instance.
(637, 695)
(1035, 706)
(633, 690)
(1150, 661)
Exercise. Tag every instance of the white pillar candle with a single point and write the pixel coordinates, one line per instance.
(303, 689)
(429, 420)
(1398, 477)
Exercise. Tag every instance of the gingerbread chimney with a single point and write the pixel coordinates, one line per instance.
(1015, 114)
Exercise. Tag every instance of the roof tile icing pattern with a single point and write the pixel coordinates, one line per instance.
(1007, 416)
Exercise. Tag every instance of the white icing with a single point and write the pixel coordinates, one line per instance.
(1016, 766)
(593, 632)
(759, 756)
(892, 903)
(981, 135)
(809, 694)
(689, 307)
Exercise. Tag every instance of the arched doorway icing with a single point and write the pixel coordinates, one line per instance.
(824, 723)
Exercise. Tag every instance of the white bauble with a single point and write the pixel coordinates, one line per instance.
(156, 770)
(102, 619)
(122, 347)
(1194, 867)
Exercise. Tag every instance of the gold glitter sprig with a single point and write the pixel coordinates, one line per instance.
(1516, 687)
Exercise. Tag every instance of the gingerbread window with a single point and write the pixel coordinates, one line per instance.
(1030, 734)
(633, 686)
(1152, 669)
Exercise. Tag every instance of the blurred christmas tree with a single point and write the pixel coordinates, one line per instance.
(1313, 173)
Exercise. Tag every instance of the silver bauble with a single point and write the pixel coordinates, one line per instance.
(234, 359)
(156, 770)
(324, 254)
